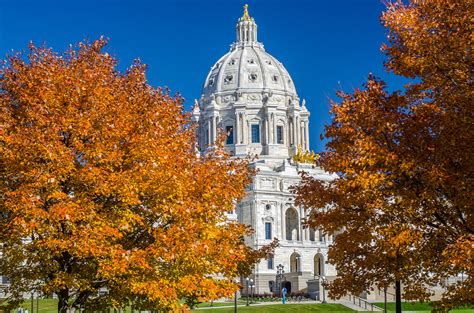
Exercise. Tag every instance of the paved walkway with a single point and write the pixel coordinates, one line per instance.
(344, 302)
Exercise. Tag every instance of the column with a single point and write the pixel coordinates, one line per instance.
(265, 128)
(307, 134)
(237, 128)
(283, 223)
(274, 132)
(297, 137)
(209, 134)
(291, 131)
(300, 229)
(214, 121)
(303, 140)
(244, 128)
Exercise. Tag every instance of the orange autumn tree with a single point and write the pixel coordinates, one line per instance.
(403, 202)
(101, 188)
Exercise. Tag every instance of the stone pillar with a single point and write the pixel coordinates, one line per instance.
(265, 128)
(300, 229)
(244, 129)
(274, 129)
(214, 123)
(290, 132)
(307, 134)
(209, 132)
(296, 127)
(283, 222)
(237, 128)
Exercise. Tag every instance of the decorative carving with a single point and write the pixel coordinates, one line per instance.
(267, 183)
(227, 98)
(254, 97)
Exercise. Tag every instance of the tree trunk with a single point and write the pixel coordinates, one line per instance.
(63, 299)
(398, 297)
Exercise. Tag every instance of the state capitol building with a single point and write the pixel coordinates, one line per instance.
(250, 95)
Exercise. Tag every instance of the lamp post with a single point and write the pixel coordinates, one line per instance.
(323, 281)
(247, 290)
(280, 273)
(251, 290)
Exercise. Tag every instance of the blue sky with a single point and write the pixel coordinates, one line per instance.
(325, 45)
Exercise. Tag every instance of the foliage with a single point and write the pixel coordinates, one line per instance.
(309, 157)
(101, 187)
(403, 200)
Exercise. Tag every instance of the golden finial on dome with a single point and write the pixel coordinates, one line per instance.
(246, 13)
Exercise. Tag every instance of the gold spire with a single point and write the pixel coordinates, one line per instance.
(246, 13)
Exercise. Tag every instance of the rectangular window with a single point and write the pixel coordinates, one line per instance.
(270, 262)
(279, 134)
(229, 130)
(268, 230)
(255, 133)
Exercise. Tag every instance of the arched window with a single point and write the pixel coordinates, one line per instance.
(295, 260)
(318, 265)
(292, 223)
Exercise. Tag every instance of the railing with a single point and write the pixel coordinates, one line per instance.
(362, 303)
(381, 292)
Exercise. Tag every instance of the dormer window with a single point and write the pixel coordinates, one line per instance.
(211, 82)
(275, 78)
(232, 62)
(228, 79)
(253, 77)
(250, 61)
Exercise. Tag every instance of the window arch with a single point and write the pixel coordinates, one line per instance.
(318, 265)
(292, 224)
(295, 262)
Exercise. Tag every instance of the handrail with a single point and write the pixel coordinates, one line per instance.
(359, 302)
(381, 291)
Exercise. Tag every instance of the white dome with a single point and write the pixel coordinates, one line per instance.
(249, 95)
(247, 67)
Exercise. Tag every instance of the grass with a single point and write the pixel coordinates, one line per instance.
(335, 308)
(217, 304)
(419, 307)
(44, 306)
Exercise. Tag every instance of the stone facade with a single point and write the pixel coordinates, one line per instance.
(250, 96)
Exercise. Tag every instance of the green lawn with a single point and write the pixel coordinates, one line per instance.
(216, 304)
(283, 308)
(419, 307)
(44, 305)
